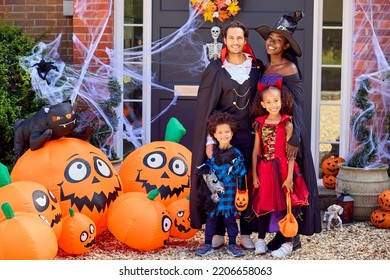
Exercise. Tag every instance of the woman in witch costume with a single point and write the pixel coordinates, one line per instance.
(228, 84)
(282, 51)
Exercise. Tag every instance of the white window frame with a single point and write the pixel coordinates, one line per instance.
(346, 80)
(147, 65)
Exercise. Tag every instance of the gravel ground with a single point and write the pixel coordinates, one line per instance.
(357, 241)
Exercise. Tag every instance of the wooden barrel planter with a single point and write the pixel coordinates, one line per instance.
(364, 185)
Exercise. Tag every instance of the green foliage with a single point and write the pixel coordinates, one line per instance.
(17, 97)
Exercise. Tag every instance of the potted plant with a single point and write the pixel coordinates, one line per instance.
(364, 173)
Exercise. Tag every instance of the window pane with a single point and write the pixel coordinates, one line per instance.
(331, 46)
(331, 80)
(128, 147)
(133, 113)
(326, 151)
(132, 36)
(132, 90)
(333, 12)
(133, 11)
(329, 123)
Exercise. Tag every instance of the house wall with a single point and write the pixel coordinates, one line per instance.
(43, 20)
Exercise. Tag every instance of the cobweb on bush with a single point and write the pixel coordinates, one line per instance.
(372, 70)
(88, 85)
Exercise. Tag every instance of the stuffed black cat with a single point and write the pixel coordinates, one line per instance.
(50, 122)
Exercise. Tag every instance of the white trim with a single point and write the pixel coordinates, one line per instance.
(147, 71)
(316, 83)
(346, 75)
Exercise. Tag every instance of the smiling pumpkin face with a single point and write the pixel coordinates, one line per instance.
(161, 165)
(79, 174)
(380, 218)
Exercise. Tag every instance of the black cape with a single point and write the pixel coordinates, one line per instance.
(215, 93)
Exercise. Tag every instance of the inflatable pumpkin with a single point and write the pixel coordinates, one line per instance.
(139, 221)
(79, 175)
(330, 166)
(179, 212)
(25, 236)
(380, 218)
(384, 200)
(78, 234)
(29, 196)
(329, 181)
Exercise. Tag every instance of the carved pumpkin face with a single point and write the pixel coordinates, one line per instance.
(329, 181)
(330, 166)
(139, 221)
(25, 236)
(162, 165)
(241, 200)
(79, 174)
(28, 196)
(380, 218)
(78, 234)
(179, 212)
(384, 200)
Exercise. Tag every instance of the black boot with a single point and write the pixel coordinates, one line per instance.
(296, 242)
(276, 242)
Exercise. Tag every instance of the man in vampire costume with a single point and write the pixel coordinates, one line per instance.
(228, 84)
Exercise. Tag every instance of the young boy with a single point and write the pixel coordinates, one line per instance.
(228, 165)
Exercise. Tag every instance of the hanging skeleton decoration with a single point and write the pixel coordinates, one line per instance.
(214, 49)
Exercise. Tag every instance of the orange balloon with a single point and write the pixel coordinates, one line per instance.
(162, 165)
(80, 176)
(78, 234)
(179, 211)
(29, 196)
(138, 221)
(26, 236)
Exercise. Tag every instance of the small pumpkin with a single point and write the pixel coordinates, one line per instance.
(329, 181)
(241, 200)
(179, 211)
(384, 200)
(380, 218)
(139, 221)
(330, 166)
(26, 236)
(78, 233)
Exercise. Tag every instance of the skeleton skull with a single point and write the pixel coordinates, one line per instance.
(215, 32)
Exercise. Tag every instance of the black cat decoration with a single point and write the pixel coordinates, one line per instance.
(50, 122)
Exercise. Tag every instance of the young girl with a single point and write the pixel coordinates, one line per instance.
(274, 175)
(228, 165)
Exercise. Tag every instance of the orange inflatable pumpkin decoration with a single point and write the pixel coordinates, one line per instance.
(330, 166)
(79, 174)
(384, 200)
(139, 221)
(179, 212)
(28, 196)
(329, 181)
(26, 236)
(78, 234)
(380, 218)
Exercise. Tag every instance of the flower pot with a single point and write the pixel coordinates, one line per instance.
(364, 185)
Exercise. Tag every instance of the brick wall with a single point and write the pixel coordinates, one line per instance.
(43, 20)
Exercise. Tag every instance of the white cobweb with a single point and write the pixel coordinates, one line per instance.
(373, 75)
(92, 86)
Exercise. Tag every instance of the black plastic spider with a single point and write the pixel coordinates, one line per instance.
(44, 68)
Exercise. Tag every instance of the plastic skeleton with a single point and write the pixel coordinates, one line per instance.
(214, 49)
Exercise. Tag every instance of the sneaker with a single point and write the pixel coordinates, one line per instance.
(260, 247)
(283, 251)
(234, 250)
(218, 241)
(204, 250)
(246, 242)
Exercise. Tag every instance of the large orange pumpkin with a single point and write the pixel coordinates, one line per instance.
(29, 196)
(380, 218)
(25, 236)
(139, 221)
(330, 166)
(78, 234)
(384, 200)
(179, 211)
(79, 174)
(329, 181)
(162, 165)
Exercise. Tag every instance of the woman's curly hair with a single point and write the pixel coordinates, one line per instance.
(286, 100)
(219, 117)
